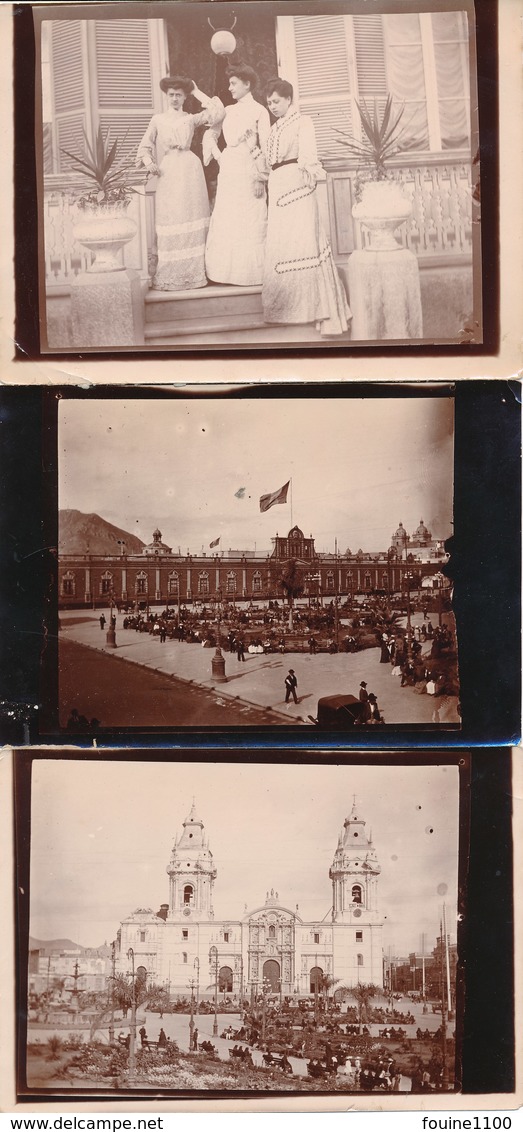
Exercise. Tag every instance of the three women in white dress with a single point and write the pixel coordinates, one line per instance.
(285, 249)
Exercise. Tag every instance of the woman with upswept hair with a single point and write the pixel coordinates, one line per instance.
(236, 241)
(300, 282)
(182, 201)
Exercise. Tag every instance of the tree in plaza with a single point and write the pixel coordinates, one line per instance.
(291, 581)
(327, 982)
(363, 993)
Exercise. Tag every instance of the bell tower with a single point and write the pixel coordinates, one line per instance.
(354, 873)
(192, 873)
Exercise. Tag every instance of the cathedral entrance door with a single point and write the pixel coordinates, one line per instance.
(271, 972)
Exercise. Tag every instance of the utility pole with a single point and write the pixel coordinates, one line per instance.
(113, 968)
(132, 1028)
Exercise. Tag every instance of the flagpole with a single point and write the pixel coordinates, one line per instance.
(291, 503)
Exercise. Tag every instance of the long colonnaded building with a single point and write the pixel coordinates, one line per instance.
(271, 945)
(158, 575)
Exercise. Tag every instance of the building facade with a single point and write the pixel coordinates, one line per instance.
(157, 575)
(271, 946)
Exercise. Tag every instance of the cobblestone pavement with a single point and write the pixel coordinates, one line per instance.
(259, 680)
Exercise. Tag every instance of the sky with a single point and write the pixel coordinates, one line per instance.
(102, 833)
(196, 468)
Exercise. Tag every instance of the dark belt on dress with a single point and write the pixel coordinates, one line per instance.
(279, 164)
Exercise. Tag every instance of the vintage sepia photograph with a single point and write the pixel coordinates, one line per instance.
(257, 175)
(179, 943)
(256, 562)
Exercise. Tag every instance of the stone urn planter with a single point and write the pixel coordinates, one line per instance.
(382, 209)
(104, 229)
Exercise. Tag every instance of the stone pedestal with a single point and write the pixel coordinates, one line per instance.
(107, 309)
(385, 297)
(218, 666)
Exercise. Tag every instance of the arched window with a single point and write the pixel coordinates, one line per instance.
(173, 583)
(272, 931)
(188, 894)
(230, 584)
(368, 581)
(256, 582)
(225, 979)
(360, 959)
(357, 895)
(203, 583)
(350, 581)
(330, 579)
(184, 956)
(141, 583)
(68, 585)
(106, 583)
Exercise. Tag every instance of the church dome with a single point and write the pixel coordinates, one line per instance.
(421, 532)
(401, 532)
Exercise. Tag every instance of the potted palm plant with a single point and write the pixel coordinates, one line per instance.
(381, 204)
(107, 185)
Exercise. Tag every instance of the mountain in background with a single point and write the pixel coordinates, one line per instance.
(90, 534)
(48, 945)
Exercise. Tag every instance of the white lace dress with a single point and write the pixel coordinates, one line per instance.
(300, 283)
(237, 231)
(182, 201)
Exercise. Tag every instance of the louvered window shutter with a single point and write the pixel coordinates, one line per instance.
(68, 89)
(370, 57)
(124, 79)
(323, 73)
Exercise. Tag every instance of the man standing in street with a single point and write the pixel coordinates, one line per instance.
(291, 684)
(363, 692)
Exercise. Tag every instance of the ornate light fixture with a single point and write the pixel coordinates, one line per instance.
(223, 41)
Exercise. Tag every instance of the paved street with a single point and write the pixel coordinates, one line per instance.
(128, 695)
(257, 682)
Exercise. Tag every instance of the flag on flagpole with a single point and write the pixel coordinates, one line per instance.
(279, 496)
(215, 543)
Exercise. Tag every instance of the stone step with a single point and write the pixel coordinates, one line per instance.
(210, 302)
(202, 327)
(234, 332)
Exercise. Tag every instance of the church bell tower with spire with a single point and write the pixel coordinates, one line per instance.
(192, 873)
(355, 910)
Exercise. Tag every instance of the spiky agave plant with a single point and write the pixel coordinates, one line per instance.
(108, 179)
(384, 137)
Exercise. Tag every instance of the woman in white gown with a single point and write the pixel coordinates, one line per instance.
(300, 283)
(236, 240)
(182, 201)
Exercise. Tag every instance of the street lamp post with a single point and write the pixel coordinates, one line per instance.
(213, 956)
(408, 579)
(191, 1020)
(113, 966)
(218, 660)
(196, 966)
(110, 637)
(132, 1028)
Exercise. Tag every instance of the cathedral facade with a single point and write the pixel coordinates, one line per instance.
(271, 946)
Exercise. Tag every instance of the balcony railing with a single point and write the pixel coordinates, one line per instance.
(439, 230)
(65, 258)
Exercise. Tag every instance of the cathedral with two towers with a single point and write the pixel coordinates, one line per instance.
(271, 946)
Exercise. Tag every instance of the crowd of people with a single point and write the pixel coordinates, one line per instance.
(265, 227)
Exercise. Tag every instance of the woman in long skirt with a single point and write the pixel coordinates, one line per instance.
(300, 283)
(182, 202)
(236, 242)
